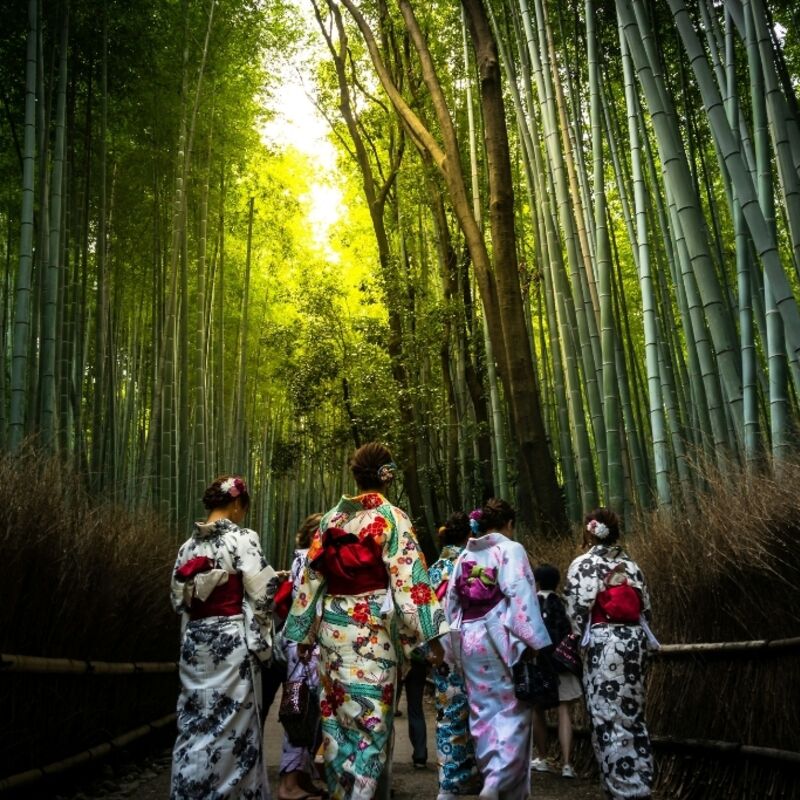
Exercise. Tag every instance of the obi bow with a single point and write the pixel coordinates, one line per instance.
(477, 585)
(200, 576)
(486, 575)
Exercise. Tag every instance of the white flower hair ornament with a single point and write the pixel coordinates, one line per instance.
(598, 529)
(233, 487)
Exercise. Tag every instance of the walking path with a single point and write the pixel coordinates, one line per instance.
(150, 780)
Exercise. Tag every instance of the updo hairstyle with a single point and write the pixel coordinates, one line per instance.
(495, 514)
(307, 529)
(366, 463)
(456, 530)
(608, 518)
(224, 490)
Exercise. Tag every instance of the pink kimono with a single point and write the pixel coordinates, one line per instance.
(494, 616)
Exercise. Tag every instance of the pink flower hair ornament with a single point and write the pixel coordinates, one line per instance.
(598, 529)
(233, 487)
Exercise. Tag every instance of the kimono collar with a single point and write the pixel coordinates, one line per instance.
(450, 552)
(610, 551)
(361, 502)
(485, 542)
(205, 530)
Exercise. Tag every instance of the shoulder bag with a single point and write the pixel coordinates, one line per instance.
(536, 681)
(299, 709)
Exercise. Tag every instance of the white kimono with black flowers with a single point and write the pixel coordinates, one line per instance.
(613, 676)
(218, 752)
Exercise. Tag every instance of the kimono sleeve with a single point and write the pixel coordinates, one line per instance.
(580, 590)
(523, 617)
(256, 575)
(419, 616)
(647, 609)
(176, 588)
(309, 591)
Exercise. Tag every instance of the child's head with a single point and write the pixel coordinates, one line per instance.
(547, 577)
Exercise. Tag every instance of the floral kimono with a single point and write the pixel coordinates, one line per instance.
(494, 617)
(613, 670)
(458, 770)
(219, 586)
(366, 599)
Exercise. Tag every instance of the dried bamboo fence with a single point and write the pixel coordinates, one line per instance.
(708, 747)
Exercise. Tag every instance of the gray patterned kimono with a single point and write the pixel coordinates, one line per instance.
(218, 751)
(613, 677)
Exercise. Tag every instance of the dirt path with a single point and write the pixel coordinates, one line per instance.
(149, 778)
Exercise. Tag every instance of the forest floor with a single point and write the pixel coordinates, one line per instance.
(148, 778)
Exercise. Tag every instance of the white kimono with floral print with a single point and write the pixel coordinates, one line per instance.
(614, 662)
(218, 751)
(487, 648)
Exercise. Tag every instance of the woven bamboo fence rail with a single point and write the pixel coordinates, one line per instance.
(714, 746)
(729, 648)
(85, 756)
(63, 666)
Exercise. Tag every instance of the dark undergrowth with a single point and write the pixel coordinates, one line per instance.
(728, 570)
(82, 579)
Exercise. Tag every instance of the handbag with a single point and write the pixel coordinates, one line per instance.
(567, 656)
(299, 709)
(536, 681)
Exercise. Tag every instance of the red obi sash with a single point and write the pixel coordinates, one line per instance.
(350, 565)
(617, 605)
(224, 601)
(283, 599)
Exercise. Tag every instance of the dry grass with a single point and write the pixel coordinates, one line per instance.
(86, 580)
(727, 571)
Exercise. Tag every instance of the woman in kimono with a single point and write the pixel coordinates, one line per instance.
(219, 586)
(366, 599)
(458, 770)
(494, 619)
(609, 606)
(297, 763)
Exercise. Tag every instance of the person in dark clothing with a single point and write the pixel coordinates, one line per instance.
(569, 687)
(414, 683)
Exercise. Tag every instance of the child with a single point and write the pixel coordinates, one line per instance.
(569, 686)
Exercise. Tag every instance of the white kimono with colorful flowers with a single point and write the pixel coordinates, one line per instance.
(362, 638)
(487, 648)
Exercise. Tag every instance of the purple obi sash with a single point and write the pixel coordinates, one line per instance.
(477, 590)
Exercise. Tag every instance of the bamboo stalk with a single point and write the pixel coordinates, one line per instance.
(85, 756)
(39, 664)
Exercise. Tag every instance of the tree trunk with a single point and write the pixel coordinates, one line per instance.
(537, 471)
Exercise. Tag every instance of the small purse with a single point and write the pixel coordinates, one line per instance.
(299, 709)
(567, 656)
(536, 681)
